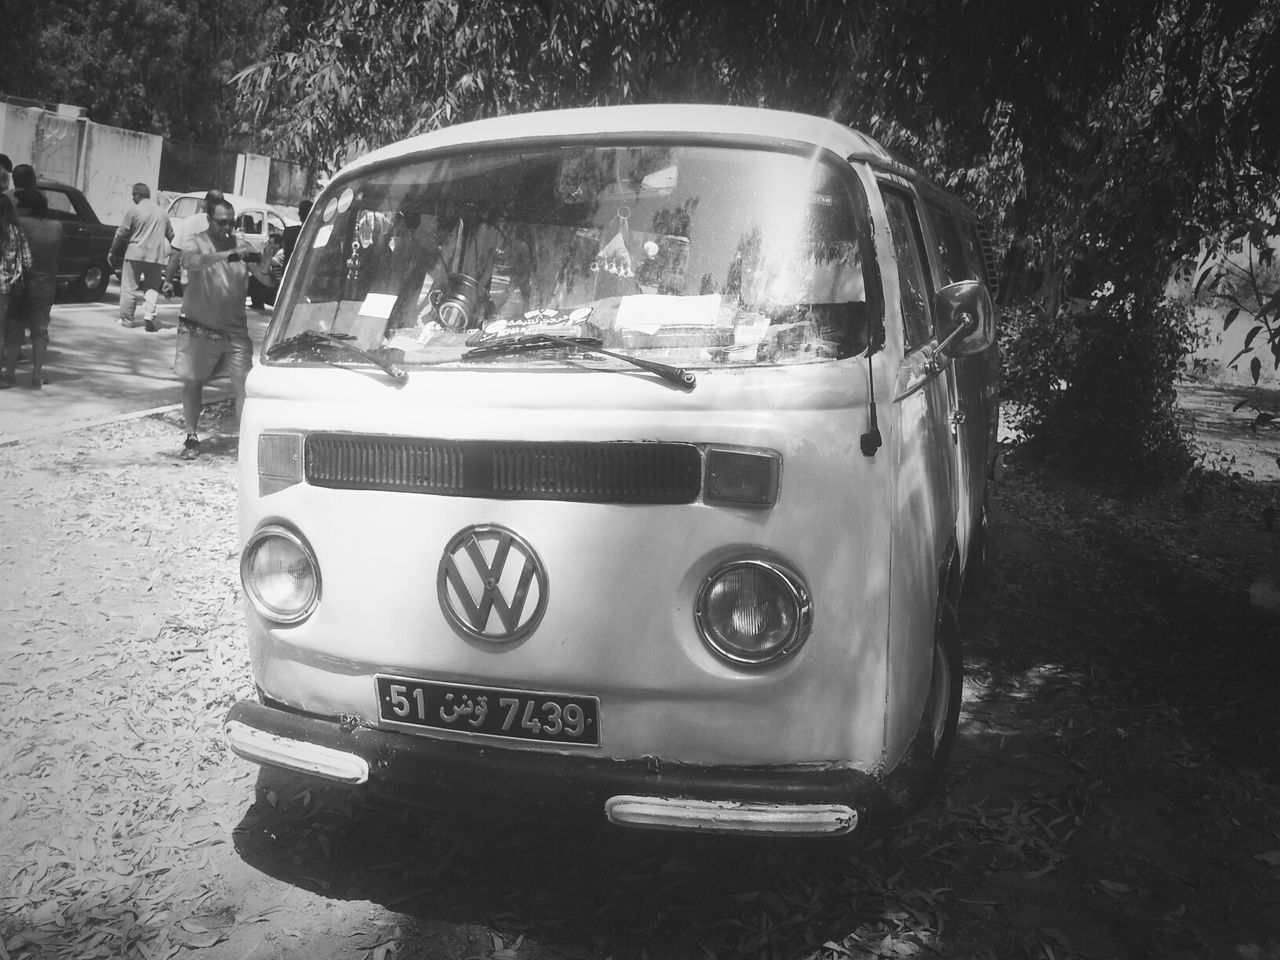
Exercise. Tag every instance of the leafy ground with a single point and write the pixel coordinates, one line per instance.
(1115, 791)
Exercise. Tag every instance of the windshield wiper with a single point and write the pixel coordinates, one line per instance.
(541, 341)
(314, 339)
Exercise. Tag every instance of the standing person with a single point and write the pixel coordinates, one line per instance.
(278, 259)
(44, 237)
(15, 261)
(24, 178)
(183, 228)
(6, 173)
(213, 330)
(289, 239)
(261, 293)
(142, 244)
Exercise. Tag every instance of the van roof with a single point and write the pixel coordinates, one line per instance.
(748, 123)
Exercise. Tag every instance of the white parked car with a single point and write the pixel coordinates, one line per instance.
(256, 220)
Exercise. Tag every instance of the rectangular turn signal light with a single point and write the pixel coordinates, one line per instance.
(279, 461)
(742, 477)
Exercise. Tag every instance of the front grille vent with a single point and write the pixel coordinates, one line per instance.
(607, 472)
(384, 463)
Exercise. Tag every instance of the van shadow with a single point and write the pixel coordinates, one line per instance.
(1099, 662)
(578, 889)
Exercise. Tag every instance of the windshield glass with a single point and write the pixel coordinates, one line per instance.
(692, 255)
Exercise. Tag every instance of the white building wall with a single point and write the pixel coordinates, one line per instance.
(253, 175)
(18, 127)
(103, 161)
(114, 160)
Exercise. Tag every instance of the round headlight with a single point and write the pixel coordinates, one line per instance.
(753, 611)
(280, 575)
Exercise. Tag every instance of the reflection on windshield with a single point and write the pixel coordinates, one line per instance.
(694, 256)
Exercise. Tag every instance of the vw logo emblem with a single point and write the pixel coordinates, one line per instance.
(492, 585)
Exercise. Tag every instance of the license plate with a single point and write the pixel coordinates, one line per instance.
(495, 712)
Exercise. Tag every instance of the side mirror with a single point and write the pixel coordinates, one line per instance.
(965, 318)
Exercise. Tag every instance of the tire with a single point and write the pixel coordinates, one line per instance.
(921, 770)
(975, 574)
(93, 282)
(946, 690)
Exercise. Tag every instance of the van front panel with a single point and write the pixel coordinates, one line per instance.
(621, 579)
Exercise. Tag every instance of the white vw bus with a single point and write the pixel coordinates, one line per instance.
(624, 460)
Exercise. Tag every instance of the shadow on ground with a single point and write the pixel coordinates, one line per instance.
(1113, 791)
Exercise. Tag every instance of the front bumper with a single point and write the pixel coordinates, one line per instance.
(792, 800)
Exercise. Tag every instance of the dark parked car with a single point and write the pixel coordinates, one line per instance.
(85, 241)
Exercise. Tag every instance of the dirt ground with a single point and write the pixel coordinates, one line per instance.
(1115, 791)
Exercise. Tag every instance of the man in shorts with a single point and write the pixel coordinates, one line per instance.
(213, 330)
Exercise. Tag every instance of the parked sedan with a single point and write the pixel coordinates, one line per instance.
(255, 219)
(86, 241)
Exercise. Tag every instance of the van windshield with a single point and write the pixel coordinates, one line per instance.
(685, 254)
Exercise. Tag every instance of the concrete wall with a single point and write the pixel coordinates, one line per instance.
(106, 161)
(253, 175)
(114, 160)
(18, 131)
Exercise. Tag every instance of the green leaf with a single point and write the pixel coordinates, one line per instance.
(1270, 305)
(1205, 270)
(1239, 353)
(1255, 367)
(1231, 315)
(1248, 340)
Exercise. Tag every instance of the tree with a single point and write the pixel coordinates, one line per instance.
(146, 65)
(1103, 140)
(345, 77)
(1107, 141)
(1238, 271)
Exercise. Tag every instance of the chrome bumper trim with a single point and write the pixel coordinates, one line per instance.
(722, 816)
(262, 747)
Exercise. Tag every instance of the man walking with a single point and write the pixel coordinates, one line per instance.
(142, 243)
(213, 330)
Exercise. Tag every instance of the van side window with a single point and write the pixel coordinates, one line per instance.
(951, 257)
(913, 281)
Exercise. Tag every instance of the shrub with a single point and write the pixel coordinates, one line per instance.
(1092, 386)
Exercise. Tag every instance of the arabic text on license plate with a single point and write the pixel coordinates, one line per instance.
(516, 714)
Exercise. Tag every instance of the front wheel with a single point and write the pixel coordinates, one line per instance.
(921, 770)
(946, 689)
(92, 284)
(975, 574)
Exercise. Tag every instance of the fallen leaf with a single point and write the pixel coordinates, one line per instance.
(12, 809)
(201, 940)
